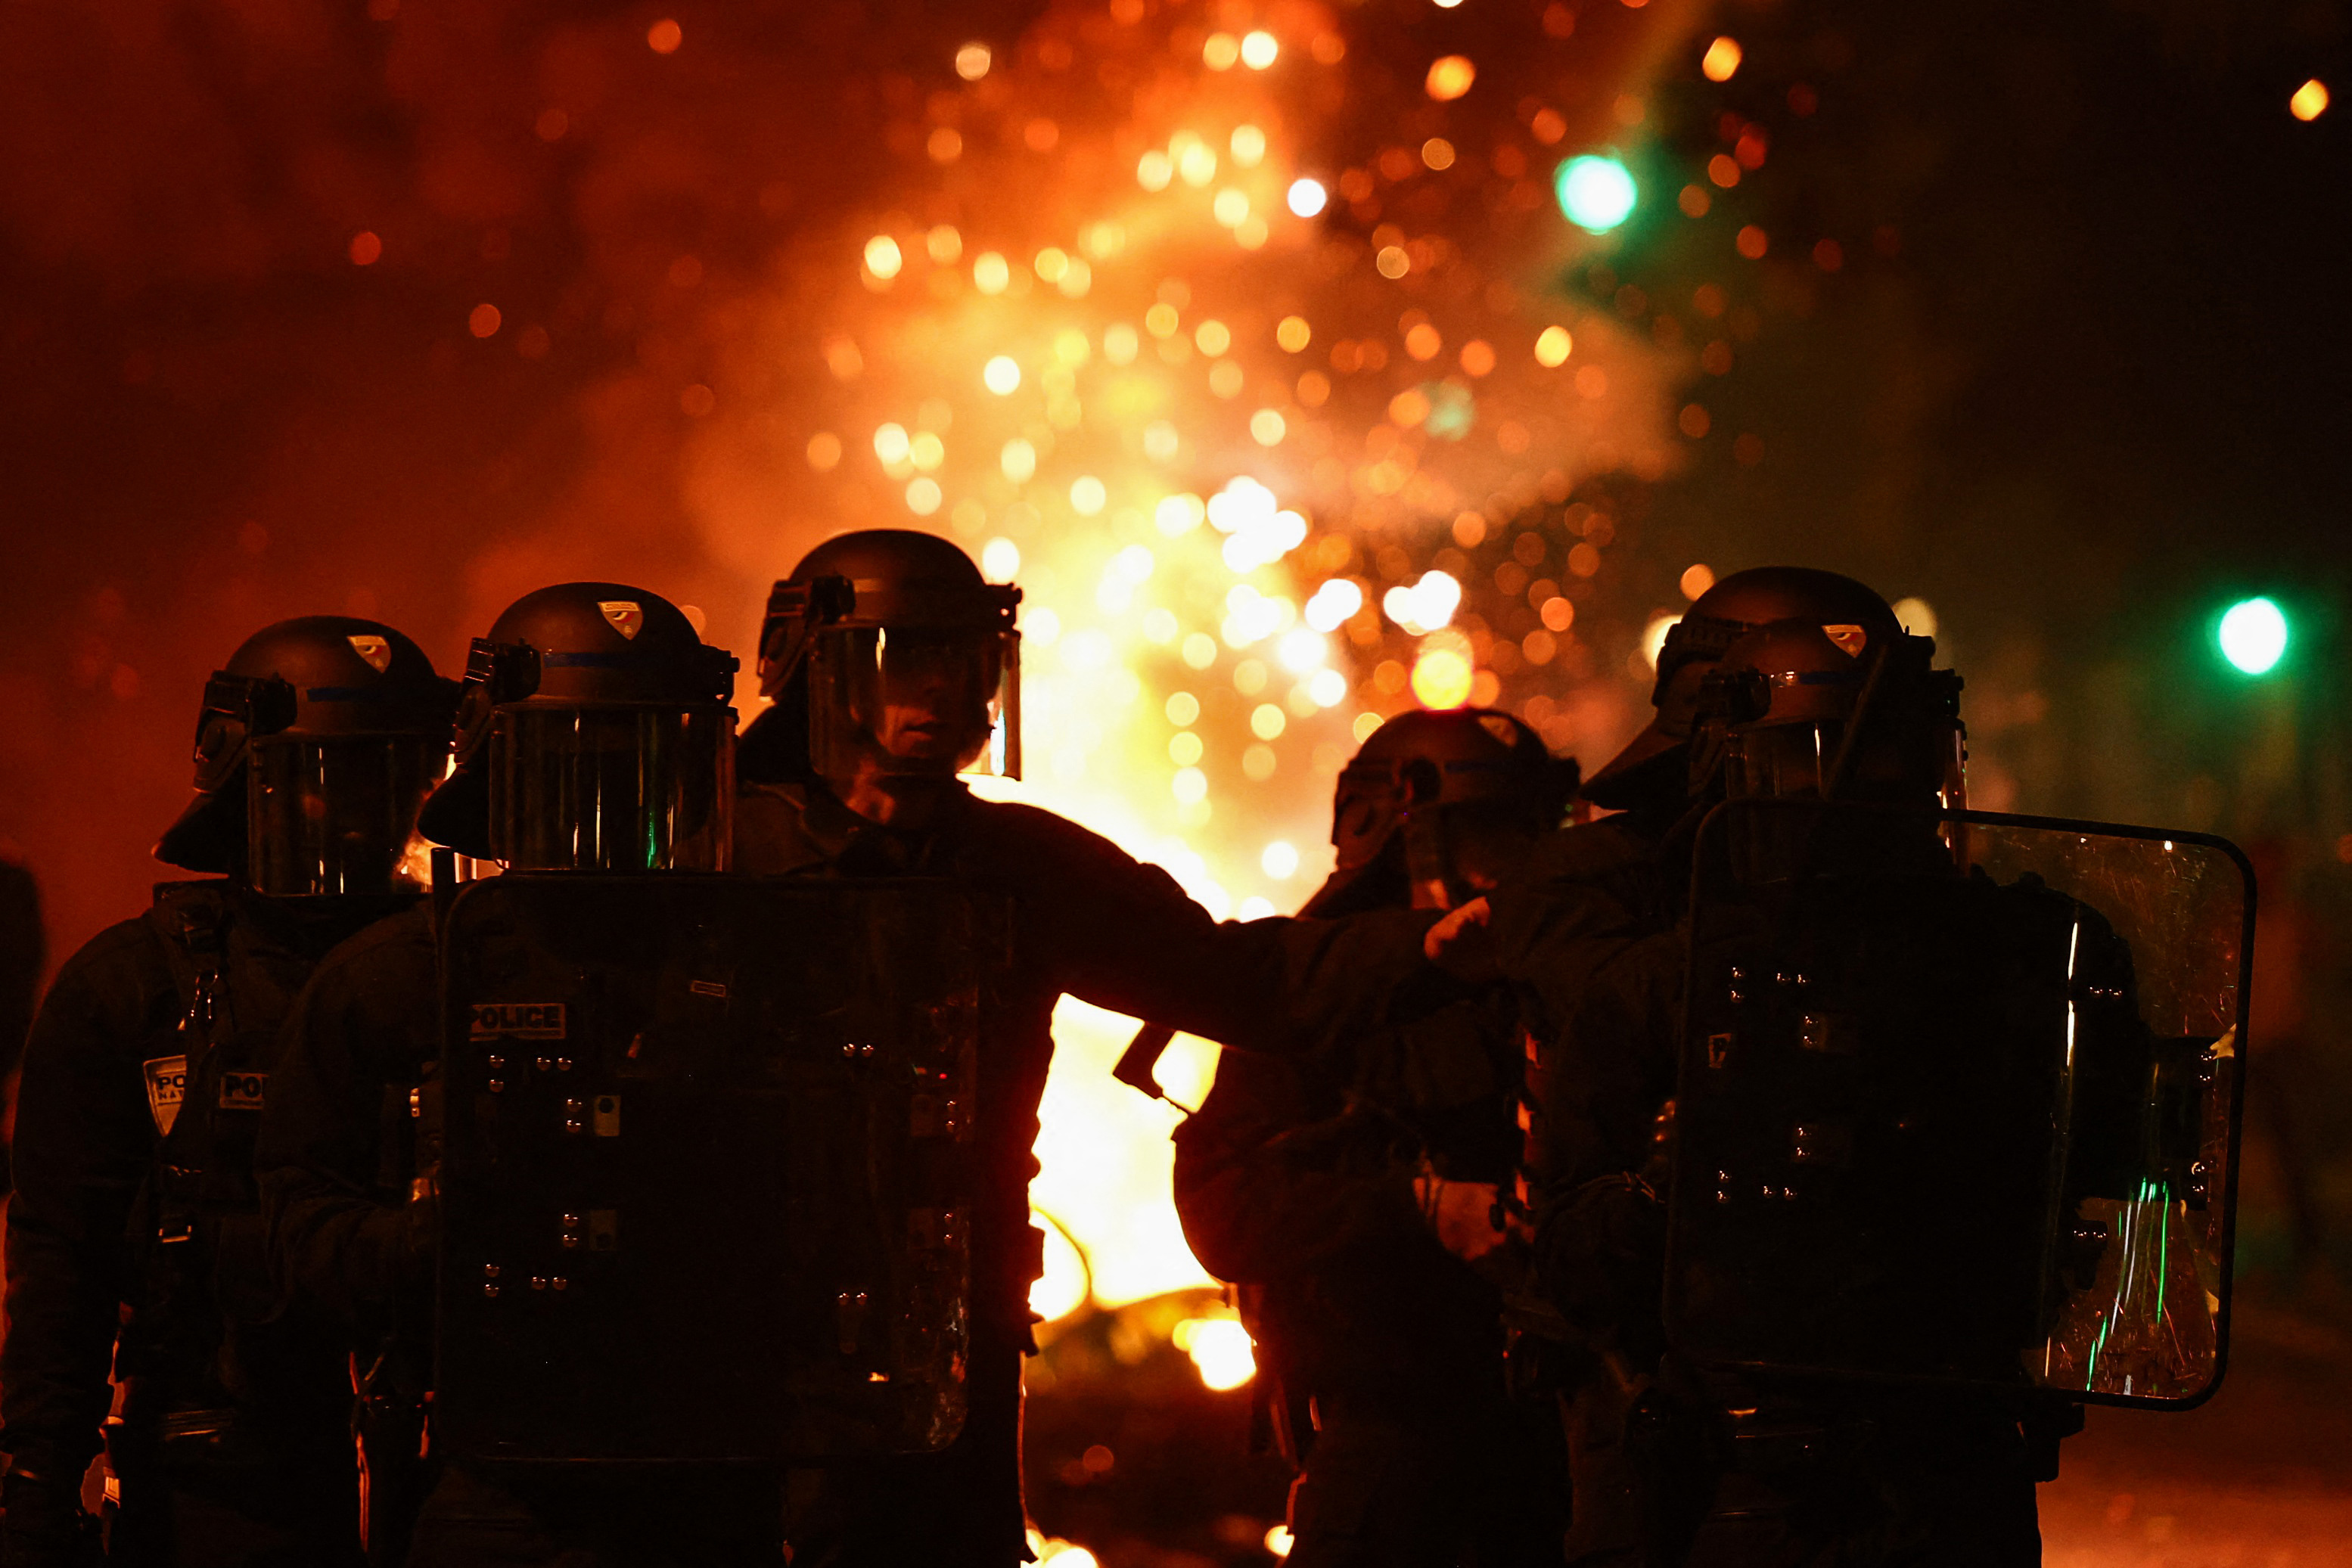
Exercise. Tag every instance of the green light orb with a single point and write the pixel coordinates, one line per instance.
(1596, 193)
(2253, 636)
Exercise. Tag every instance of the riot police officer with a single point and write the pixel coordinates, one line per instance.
(135, 1230)
(894, 666)
(1920, 1142)
(1361, 1214)
(594, 735)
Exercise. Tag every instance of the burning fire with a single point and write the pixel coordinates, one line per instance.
(1225, 341)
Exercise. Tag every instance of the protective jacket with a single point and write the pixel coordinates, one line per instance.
(144, 1079)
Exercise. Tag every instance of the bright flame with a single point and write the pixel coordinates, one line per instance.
(1219, 1349)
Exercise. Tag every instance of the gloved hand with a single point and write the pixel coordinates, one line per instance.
(1603, 1265)
(44, 1525)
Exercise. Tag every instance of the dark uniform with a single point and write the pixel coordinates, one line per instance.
(135, 1233)
(22, 950)
(1674, 1464)
(243, 1415)
(1360, 1204)
(339, 1159)
(1088, 922)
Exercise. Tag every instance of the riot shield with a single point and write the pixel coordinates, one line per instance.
(703, 1181)
(1958, 1101)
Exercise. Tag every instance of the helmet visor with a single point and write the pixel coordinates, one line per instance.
(916, 700)
(630, 786)
(331, 816)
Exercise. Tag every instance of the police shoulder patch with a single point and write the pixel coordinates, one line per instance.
(376, 651)
(167, 1086)
(627, 615)
(242, 1090)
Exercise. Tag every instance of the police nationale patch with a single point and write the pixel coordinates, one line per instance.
(627, 616)
(516, 1020)
(167, 1085)
(242, 1090)
(376, 651)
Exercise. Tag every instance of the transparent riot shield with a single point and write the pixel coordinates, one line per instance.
(703, 1174)
(1958, 1101)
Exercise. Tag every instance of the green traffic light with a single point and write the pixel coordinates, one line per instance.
(1595, 191)
(2253, 636)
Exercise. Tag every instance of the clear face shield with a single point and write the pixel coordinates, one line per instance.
(915, 700)
(626, 788)
(333, 816)
(1811, 760)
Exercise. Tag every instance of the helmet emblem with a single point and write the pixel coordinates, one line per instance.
(1500, 727)
(627, 617)
(1851, 639)
(376, 651)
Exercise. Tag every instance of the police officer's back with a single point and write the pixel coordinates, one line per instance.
(1362, 1212)
(135, 1230)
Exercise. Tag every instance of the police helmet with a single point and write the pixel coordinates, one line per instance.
(1655, 766)
(314, 745)
(594, 735)
(900, 655)
(1457, 790)
(1802, 712)
(1790, 714)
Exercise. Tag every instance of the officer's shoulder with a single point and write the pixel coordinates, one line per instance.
(1589, 850)
(126, 948)
(400, 943)
(1009, 827)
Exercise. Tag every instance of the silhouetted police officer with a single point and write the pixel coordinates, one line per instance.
(1921, 1140)
(894, 666)
(594, 735)
(135, 1230)
(1363, 1212)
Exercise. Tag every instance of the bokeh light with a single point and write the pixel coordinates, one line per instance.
(2253, 635)
(2310, 100)
(1442, 678)
(1595, 191)
(1450, 76)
